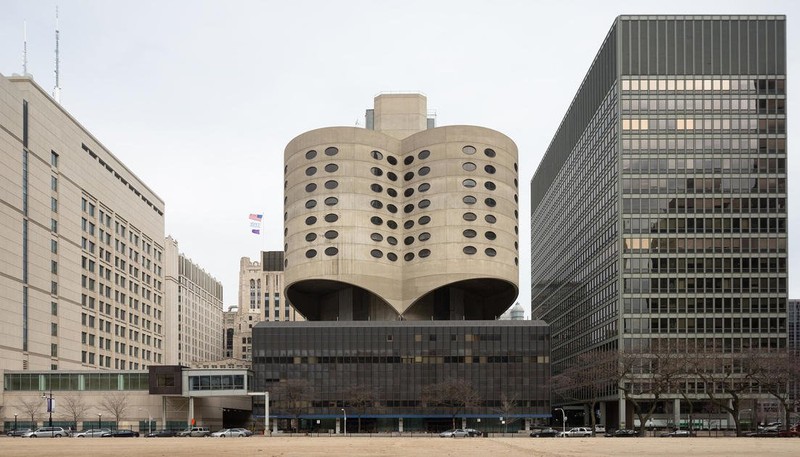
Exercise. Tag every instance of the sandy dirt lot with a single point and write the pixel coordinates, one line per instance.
(379, 446)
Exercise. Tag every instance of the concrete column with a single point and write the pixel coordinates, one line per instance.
(400, 425)
(164, 412)
(191, 411)
(676, 408)
(527, 424)
(587, 415)
(463, 422)
(603, 417)
(622, 413)
(337, 425)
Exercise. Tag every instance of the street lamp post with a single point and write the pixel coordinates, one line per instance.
(99, 421)
(149, 420)
(49, 398)
(15, 422)
(563, 420)
(345, 421)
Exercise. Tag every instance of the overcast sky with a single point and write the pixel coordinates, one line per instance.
(199, 98)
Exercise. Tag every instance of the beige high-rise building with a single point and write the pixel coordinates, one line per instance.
(81, 245)
(261, 298)
(194, 310)
(401, 220)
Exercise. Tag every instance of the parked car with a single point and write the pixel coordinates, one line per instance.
(123, 433)
(599, 428)
(472, 432)
(765, 434)
(195, 431)
(232, 432)
(92, 433)
(576, 431)
(678, 434)
(160, 434)
(19, 432)
(47, 432)
(459, 432)
(625, 433)
(544, 433)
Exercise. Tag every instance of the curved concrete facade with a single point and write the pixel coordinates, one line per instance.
(419, 228)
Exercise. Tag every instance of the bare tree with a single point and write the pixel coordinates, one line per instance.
(453, 395)
(31, 407)
(115, 404)
(360, 397)
(591, 376)
(74, 408)
(508, 406)
(727, 380)
(292, 397)
(774, 373)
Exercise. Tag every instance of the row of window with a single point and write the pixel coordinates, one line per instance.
(705, 325)
(713, 285)
(409, 359)
(742, 125)
(762, 86)
(717, 244)
(760, 106)
(700, 304)
(694, 264)
(751, 165)
(702, 205)
(723, 145)
(707, 225)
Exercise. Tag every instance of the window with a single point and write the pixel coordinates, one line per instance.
(331, 234)
(311, 237)
(424, 236)
(54, 183)
(331, 251)
(391, 192)
(489, 169)
(311, 203)
(424, 187)
(391, 256)
(469, 183)
(331, 217)
(424, 154)
(469, 150)
(490, 219)
(424, 171)
(408, 257)
(311, 253)
(53, 329)
(408, 192)
(54, 204)
(408, 160)
(311, 154)
(490, 185)
(331, 151)
(408, 176)
(311, 187)
(490, 252)
(424, 253)
(469, 199)
(391, 224)
(424, 220)
(331, 184)
(469, 233)
(377, 253)
(311, 220)
(376, 220)
(53, 159)
(53, 350)
(490, 202)
(376, 237)
(54, 308)
(470, 217)
(391, 240)
(376, 187)
(469, 166)
(408, 224)
(408, 208)
(54, 246)
(391, 208)
(469, 250)
(392, 160)
(311, 171)
(489, 152)
(376, 155)
(491, 235)
(408, 240)
(331, 201)
(331, 167)
(391, 176)
(376, 204)
(54, 225)
(376, 171)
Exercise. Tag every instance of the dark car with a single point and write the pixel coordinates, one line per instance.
(161, 434)
(765, 434)
(625, 433)
(544, 433)
(19, 432)
(473, 432)
(122, 434)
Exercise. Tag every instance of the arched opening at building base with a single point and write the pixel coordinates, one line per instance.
(325, 300)
(472, 299)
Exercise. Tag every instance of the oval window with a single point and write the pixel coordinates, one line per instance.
(376, 171)
(311, 237)
(491, 236)
(489, 185)
(391, 176)
(391, 240)
(377, 253)
(331, 234)
(331, 251)
(490, 252)
(392, 160)
(311, 253)
(424, 236)
(331, 167)
(311, 220)
(424, 154)
(424, 220)
(469, 250)
(311, 187)
(470, 217)
(376, 237)
(408, 192)
(489, 152)
(469, 166)
(490, 219)
(331, 217)
(489, 169)
(424, 203)
(408, 240)
(391, 208)
(391, 192)
(311, 203)
(408, 208)
(424, 171)
(408, 257)
(424, 187)
(408, 176)
(310, 171)
(469, 233)
(490, 202)
(391, 224)
(391, 256)
(376, 187)
(331, 185)
(376, 204)
(408, 160)
(469, 150)
(330, 201)
(376, 155)
(424, 253)
(408, 224)
(469, 183)
(331, 151)
(469, 199)
(311, 154)
(376, 220)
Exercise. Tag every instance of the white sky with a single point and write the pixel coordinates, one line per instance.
(199, 98)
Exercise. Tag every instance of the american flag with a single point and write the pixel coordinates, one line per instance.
(255, 223)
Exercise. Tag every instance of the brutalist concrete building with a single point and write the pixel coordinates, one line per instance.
(401, 250)
(659, 209)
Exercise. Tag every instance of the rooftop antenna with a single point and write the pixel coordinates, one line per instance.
(25, 48)
(57, 89)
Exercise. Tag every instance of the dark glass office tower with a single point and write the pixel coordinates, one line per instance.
(659, 210)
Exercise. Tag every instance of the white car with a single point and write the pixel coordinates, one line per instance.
(93, 433)
(577, 431)
(47, 432)
(232, 432)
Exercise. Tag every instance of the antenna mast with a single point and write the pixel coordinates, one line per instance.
(25, 48)
(57, 89)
